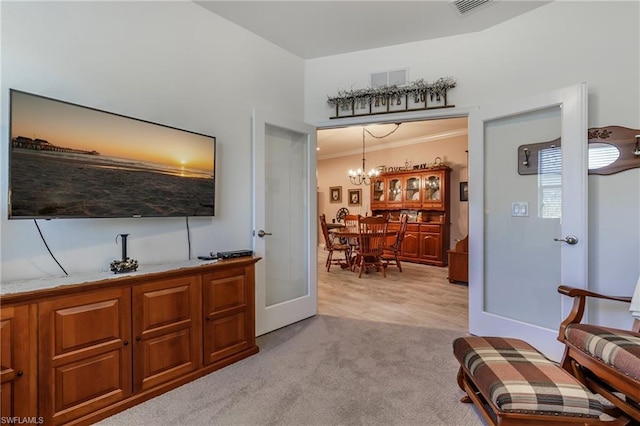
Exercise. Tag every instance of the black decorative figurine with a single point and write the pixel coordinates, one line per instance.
(126, 264)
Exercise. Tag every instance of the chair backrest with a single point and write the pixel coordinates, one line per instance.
(325, 232)
(351, 221)
(372, 235)
(404, 220)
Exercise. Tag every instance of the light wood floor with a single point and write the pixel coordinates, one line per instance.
(419, 295)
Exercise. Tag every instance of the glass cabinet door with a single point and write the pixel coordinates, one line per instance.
(433, 190)
(412, 191)
(394, 194)
(377, 193)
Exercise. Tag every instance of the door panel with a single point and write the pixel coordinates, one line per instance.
(18, 389)
(84, 353)
(167, 330)
(430, 246)
(285, 207)
(515, 264)
(229, 327)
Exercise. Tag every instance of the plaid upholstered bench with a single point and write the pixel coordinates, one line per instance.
(512, 383)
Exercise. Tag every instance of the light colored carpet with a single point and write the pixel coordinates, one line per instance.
(324, 371)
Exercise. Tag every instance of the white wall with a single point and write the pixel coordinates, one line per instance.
(556, 45)
(172, 63)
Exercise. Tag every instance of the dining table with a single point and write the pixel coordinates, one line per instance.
(349, 233)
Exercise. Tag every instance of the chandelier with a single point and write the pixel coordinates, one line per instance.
(359, 176)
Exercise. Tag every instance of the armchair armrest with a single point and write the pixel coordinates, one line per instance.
(579, 302)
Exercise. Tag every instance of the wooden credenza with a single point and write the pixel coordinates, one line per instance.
(79, 353)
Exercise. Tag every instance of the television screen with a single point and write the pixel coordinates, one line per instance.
(68, 160)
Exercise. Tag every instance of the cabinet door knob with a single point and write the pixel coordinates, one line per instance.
(126, 342)
(20, 373)
(138, 338)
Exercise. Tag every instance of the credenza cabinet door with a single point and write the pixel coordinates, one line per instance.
(84, 353)
(167, 330)
(18, 389)
(229, 326)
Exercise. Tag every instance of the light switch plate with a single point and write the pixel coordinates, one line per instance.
(520, 209)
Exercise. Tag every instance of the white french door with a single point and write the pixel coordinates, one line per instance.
(518, 219)
(284, 220)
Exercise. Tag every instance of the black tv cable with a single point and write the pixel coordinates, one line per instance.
(47, 246)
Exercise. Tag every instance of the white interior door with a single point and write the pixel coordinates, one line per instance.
(284, 221)
(515, 264)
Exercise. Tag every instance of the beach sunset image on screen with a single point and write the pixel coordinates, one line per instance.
(73, 161)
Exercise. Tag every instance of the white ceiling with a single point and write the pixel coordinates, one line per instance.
(312, 29)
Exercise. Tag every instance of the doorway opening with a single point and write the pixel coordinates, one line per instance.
(421, 294)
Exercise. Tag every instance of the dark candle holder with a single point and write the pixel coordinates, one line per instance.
(126, 264)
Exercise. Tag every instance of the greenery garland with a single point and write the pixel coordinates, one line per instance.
(416, 88)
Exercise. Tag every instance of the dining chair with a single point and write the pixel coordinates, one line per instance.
(331, 246)
(396, 247)
(372, 236)
(350, 222)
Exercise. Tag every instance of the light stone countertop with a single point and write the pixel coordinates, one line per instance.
(23, 286)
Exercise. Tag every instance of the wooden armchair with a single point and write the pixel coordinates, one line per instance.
(606, 360)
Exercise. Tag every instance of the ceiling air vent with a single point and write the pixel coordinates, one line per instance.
(466, 6)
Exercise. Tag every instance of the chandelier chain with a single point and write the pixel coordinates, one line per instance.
(360, 176)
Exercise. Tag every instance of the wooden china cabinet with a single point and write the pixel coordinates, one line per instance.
(425, 193)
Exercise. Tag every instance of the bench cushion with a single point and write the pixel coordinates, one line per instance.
(619, 349)
(517, 378)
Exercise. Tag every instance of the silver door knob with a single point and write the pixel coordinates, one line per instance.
(261, 233)
(570, 239)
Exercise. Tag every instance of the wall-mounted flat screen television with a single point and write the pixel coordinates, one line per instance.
(72, 161)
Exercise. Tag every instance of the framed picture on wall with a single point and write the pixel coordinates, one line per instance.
(335, 194)
(464, 191)
(355, 197)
